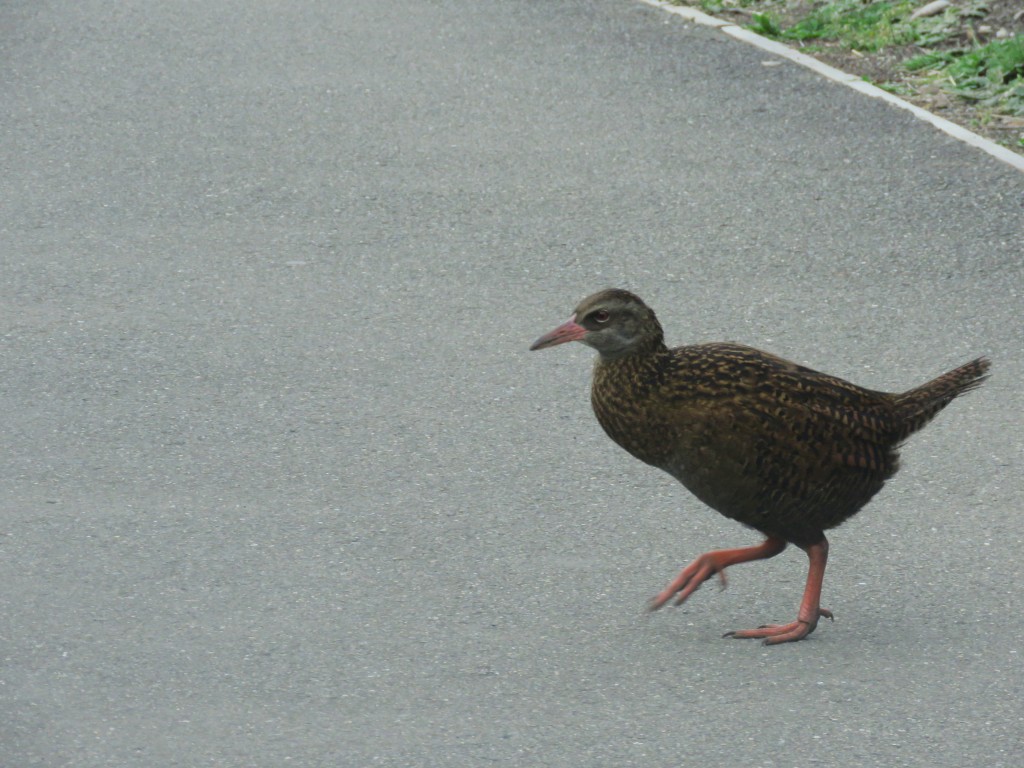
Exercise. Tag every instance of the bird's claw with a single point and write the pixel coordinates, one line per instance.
(773, 634)
(687, 582)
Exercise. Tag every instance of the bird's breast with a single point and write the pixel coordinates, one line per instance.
(636, 417)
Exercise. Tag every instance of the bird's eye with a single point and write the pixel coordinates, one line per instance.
(600, 316)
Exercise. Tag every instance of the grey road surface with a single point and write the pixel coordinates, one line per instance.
(282, 486)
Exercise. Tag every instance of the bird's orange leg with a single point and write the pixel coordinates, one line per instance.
(810, 607)
(710, 563)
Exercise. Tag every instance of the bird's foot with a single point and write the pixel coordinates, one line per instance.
(773, 634)
(709, 564)
(691, 577)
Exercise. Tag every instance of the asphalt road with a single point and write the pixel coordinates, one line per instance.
(282, 485)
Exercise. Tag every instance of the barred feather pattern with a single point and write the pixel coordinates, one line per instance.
(777, 446)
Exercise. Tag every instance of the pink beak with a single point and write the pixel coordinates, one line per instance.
(567, 331)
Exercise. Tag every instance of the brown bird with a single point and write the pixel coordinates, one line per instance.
(781, 448)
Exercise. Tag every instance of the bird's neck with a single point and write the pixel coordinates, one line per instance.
(638, 354)
(635, 370)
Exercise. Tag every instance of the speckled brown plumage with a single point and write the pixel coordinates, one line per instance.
(774, 445)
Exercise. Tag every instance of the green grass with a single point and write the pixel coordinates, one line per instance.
(717, 6)
(863, 25)
(860, 26)
(991, 75)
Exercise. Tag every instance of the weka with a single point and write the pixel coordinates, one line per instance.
(781, 448)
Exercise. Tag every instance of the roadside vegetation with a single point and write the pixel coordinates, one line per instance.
(962, 59)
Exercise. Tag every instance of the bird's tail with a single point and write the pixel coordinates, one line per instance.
(918, 406)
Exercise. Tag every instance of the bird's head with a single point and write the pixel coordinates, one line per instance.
(614, 322)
